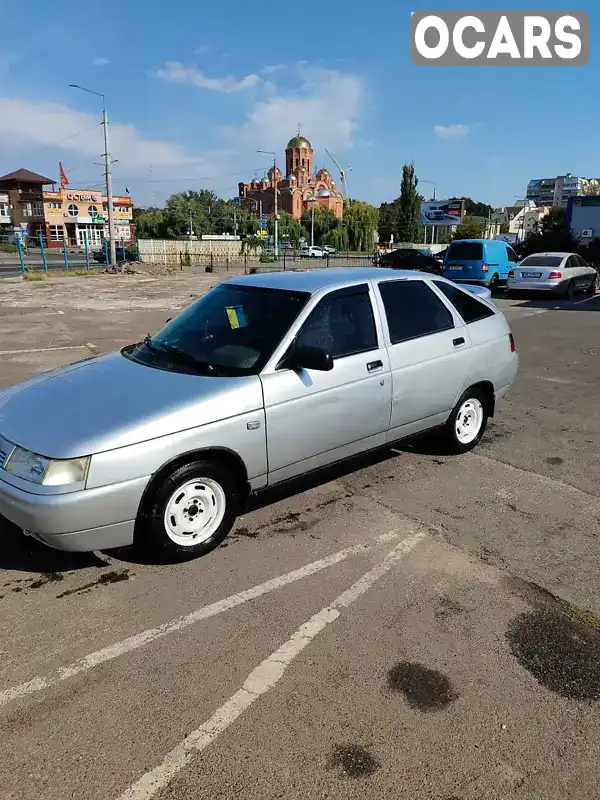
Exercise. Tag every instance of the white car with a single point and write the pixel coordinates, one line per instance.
(313, 252)
(559, 273)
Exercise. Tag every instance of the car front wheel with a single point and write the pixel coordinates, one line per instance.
(191, 511)
(467, 422)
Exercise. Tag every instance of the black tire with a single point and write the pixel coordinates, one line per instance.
(151, 533)
(591, 289)
(494, 284)
(449, 438)
(570, 290)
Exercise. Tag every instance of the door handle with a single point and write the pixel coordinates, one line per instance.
(374, 365)
(458, 342)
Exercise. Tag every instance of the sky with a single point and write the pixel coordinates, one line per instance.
(194, 89)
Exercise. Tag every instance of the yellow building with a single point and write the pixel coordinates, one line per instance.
(73, 214)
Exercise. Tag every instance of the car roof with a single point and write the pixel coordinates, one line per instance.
(479, 241)
(556, 253)
(314, 280)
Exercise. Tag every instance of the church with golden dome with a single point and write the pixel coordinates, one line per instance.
(298, 190)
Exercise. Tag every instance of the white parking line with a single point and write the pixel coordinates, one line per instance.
(264, 677)
(43, 349)
(173, 626)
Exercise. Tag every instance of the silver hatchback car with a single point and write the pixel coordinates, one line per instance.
(264, 378)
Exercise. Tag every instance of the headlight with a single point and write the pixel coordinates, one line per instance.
(45, 471)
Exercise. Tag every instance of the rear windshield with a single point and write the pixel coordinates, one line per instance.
(465, 251)
(542, 261)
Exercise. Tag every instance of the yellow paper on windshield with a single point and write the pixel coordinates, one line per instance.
(236, 316)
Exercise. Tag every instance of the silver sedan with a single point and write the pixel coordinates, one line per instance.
(559, 273)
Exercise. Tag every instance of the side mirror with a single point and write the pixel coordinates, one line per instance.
(312, 358)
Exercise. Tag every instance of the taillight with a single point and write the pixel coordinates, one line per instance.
(513, 349)
(511, 274)
(485, 267)
(555, 276)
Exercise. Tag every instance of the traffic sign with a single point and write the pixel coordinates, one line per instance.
(236, 202)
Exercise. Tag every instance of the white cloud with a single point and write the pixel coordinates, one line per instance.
(100, 62)
(176, 72)
(202, 50)
(271, 68)
(327, 105)
(451, 131)
(53, 124)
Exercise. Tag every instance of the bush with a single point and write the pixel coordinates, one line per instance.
(266, 258)
(8, 248)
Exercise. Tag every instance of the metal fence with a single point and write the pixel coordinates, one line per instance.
(287, 261)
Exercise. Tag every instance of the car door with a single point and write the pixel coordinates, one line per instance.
(314, 418)
(585, 272)
(429, 351)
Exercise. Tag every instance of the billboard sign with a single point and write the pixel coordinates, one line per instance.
(509, 238)
(448, 212)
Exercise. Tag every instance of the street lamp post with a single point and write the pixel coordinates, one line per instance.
(432, 183)
(276, 190)
(313, 199)
(107, 173)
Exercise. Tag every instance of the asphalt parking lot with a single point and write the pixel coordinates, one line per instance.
(412, 626)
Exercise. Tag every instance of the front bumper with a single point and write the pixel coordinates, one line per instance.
(84, 520)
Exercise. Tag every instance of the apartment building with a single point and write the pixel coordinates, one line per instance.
(557, 191)
(74, 215)
(22, 204)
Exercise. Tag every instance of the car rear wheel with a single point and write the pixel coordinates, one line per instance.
(591, 289)
(494, 283)
(467, 422)
(570, 290)
(191, 511)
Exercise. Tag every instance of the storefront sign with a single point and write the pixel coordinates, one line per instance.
(84, 196)
(3, 198)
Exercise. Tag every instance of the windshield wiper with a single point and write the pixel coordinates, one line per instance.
(183, 355)
(149, 343)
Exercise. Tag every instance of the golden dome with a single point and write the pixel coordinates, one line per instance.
(298, 142)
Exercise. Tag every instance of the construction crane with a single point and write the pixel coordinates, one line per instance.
(343, 172)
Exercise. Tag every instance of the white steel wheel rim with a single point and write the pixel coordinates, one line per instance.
(194, 512)
(469, 421)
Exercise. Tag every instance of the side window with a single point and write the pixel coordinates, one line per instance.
(413, 310)
(470, 308)
(572, 262)
(581, 261)
(342, 323)
(512, 256)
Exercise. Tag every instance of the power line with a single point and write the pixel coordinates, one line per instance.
(60, 141)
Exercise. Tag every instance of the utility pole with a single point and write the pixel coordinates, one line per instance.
(275, 188)
(107, 174)
(109, 194)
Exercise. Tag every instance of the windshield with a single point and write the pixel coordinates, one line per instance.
(542, 261)
(232, 330)
(465, 251)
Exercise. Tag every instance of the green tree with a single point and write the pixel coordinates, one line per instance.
(469, 228)
(551, 234)
(149, 223)
(289, 229)
(325, 222)
(388, 220)
(360, 220)
(409, 206)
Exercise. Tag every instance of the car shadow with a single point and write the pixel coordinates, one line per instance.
(581, 302)
(24, 554)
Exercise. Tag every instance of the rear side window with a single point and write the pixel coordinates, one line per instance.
(511, 255)
(413, 310)
(470, 308)
(465, 251)
(581, 261)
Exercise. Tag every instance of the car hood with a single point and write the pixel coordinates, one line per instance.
(111, 401)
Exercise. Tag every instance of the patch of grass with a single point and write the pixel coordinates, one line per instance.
(8, 248)
(583, 615)
(41, 275)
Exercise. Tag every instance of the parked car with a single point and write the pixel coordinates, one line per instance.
(434, 214)
(559, 273)
(408, 258)
(264, 378)
(123, 254)
(329, 250)
(313, 252)
(485, 262)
